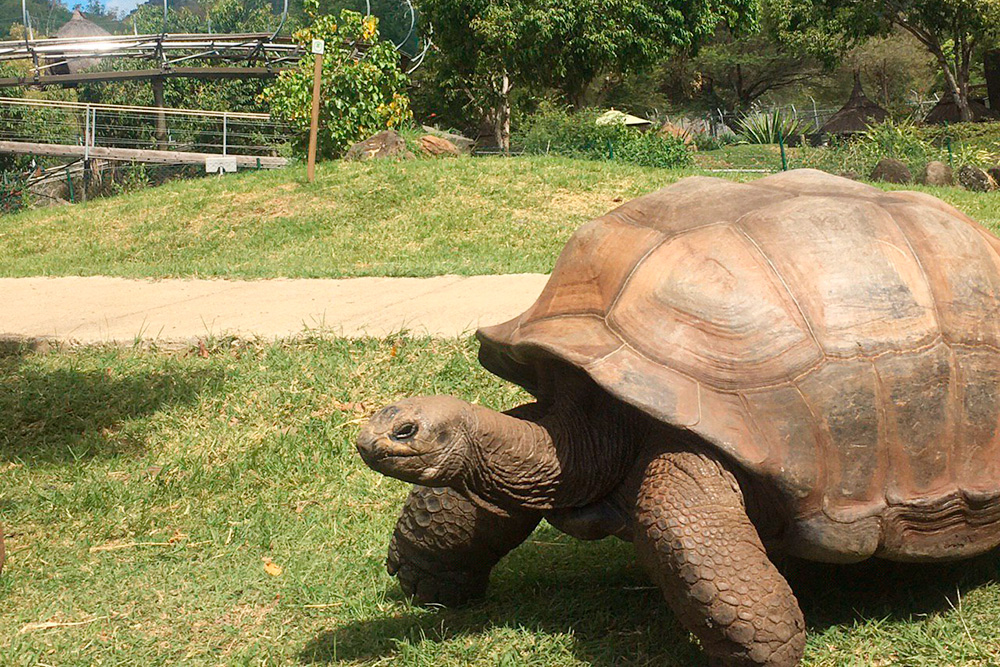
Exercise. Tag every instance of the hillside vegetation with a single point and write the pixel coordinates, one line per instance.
(411, 218)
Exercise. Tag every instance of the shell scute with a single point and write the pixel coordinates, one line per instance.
(977, 459)
(851, 271)
(844, 396)
(919, 423)
(952, 254)
(579, 284)
(745, 325)
(785, 422)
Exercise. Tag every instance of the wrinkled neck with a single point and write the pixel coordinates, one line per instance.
(569, 456)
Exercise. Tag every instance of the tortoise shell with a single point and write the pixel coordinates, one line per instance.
(839, 341)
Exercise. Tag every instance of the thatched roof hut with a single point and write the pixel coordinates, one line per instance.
(614, 117)
(946, 111)
(856, 115)
(78, 26)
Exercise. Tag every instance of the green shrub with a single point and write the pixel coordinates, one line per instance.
(706, 142)
(766, 127)
(554, 130)
(360, 97)
(860, 153)
(13, 192)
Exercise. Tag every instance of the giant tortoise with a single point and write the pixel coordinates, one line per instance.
(723, 372)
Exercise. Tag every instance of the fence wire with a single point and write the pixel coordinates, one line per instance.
(78, 124)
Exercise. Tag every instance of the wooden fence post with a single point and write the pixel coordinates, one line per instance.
(317, 49)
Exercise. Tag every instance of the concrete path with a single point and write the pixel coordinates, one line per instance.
(115, 310)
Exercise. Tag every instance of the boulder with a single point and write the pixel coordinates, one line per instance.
(994, 173)
(463, 144)
(438, 146)
(936, 173)
(668, 129)
(891, 170)
(387, 144)
(975, 179)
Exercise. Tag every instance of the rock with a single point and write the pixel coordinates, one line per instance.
(463, 144)
(936, 173)
(994, 173)
(668, 129)
(891, 170)
(438, 146)
(387, 144)
(975, 179)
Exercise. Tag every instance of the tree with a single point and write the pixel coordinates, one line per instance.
(950, 30)
(46, 16)
(791, 44)
(892, 68)
(491, 46)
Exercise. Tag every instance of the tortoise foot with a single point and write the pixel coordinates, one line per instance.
(444, 547)
(451, 588)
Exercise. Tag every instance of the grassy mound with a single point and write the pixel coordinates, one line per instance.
(412, 218)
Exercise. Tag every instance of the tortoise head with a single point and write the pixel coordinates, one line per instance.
(423, 440)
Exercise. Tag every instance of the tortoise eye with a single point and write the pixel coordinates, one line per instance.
(405, 431)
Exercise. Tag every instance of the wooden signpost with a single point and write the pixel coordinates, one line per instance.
(318, 47)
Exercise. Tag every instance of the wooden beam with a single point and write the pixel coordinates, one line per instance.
(135, 155)
(140, 75)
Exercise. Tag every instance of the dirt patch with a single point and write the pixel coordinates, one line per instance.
(567, 204)
(239, 208)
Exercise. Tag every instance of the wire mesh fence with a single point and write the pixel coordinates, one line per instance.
(151, 128)
(807, 115)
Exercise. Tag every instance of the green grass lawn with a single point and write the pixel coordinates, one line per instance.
(146, 496)
(411, 218)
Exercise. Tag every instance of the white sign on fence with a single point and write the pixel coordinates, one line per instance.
(220, 165)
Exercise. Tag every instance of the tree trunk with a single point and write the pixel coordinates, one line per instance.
(963, 58)
(958, 89)
(161, 118)
(956, 80)
(501, 115)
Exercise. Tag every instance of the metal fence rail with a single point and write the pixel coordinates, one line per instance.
(104, 126)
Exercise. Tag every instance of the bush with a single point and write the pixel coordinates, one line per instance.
(13, 193)
(976, 144)
(360, 96)
(707, 142)
(554, 130)
(862, 152)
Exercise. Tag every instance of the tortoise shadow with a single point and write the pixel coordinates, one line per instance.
(68, 414)
(595, 593)
(582, 593)
(832, 595)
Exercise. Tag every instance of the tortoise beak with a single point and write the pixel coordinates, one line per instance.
(377, 450)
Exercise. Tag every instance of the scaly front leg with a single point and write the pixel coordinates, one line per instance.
(444, 546)
(695, 540)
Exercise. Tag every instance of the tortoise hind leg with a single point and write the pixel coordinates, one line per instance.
(444, 546)
(694, 538)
